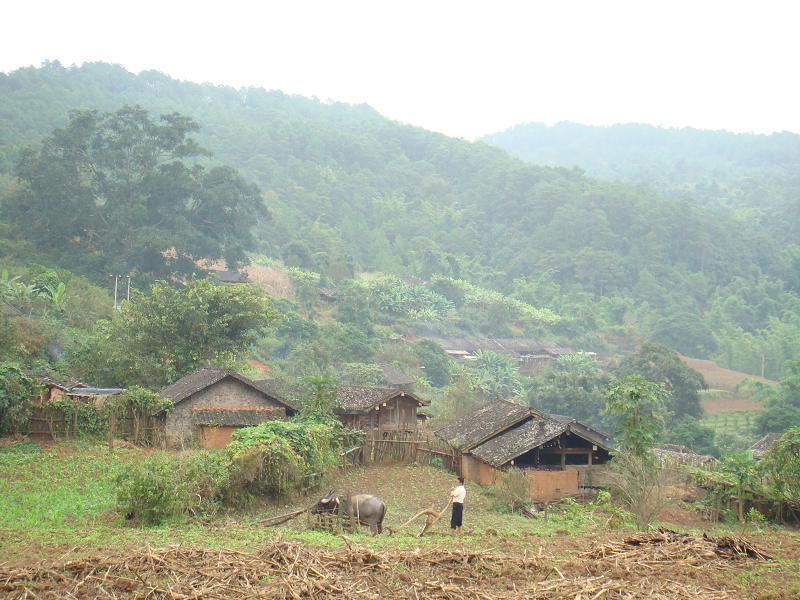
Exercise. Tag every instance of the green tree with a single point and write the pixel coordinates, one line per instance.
(693, 434)
(496, 374)
(663, 366)
(685, 331)
(318, 395)
(782, 467)
(121, 185)
(638, 405)
(17, 390)
(435, 360)
(782, 410)
(575, 386)
(154, 340)
(741, 470)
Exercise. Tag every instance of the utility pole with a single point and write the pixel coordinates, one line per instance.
(128, 296)
(116, 281)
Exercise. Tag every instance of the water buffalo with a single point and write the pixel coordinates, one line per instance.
(364, 508)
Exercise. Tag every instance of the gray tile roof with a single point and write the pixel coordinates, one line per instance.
(501, 345)
(518, 440)
(492, 417)
(358, 399)
(529, 434)
(230, 277)
(764, 445)
(501, 430)
(394, 376)
(207, 376)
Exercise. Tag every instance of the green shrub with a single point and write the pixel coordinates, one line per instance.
(16, 392)
(277, 457)
(755, 516)
(168, 485)
(273, 459)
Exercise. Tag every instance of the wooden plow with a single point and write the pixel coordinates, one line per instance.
(431, 518)
(280, 519)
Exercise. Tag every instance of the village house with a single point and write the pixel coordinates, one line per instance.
(395, 378)
(230, 277)
(531, 355)
(210, 404)
(46, 423)
(673, 455)
(559, 454)
(378, 410)
(764, 445)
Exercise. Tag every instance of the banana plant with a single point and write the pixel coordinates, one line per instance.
(56, 296)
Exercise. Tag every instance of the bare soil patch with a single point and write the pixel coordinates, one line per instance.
(720, 378)
(731, 404)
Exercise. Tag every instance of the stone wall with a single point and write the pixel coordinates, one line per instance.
(181, 430)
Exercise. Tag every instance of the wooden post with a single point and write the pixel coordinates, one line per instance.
(112, 423)
(563, 459)
(74, 418)
(590, 458)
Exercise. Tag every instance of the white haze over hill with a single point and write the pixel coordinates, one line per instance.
(459, 67)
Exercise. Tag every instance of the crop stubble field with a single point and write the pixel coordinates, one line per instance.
(60, 536)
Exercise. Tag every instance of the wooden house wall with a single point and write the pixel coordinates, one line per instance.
(399, 414)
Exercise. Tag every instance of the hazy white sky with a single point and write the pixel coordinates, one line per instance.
(463, 68)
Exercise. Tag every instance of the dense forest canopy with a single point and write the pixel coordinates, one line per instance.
(754, 176)
(350, 191)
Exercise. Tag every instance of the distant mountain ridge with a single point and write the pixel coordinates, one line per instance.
(737, 171)
(350, 190)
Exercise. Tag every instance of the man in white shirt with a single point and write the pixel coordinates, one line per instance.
(458, 494)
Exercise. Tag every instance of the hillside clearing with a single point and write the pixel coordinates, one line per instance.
(720, 378)
(59, 531)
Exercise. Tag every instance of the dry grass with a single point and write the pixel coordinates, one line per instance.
(291, 570)
(274, 281)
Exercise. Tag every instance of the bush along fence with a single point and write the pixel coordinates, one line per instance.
(128, 415)
(274, 460)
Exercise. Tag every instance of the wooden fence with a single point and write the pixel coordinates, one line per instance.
(400, 447)
(52, 424)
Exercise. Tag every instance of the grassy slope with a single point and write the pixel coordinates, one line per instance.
(59, 504)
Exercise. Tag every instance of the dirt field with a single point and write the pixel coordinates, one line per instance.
(60, 537)
(719, 378)
(730, 403)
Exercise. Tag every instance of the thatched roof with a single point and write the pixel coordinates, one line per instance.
(235, 416)
(531, 433)
(501, 345)
(206, 377)
(492, 418)
(764, 445)
(358, 400)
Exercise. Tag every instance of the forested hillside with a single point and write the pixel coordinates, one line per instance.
(754, 176)
(349, 191)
